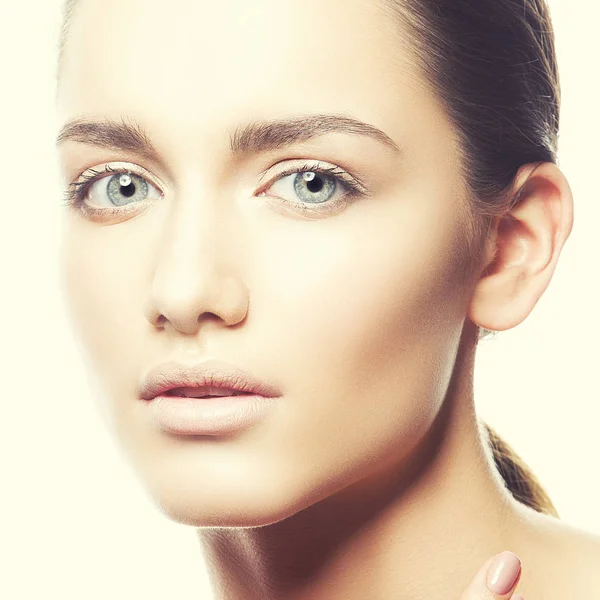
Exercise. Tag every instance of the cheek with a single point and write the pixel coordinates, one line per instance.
(368, 327)
(352, 301)
(103, 300)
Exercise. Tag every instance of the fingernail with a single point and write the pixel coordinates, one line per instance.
(503, 573)
(518, 597)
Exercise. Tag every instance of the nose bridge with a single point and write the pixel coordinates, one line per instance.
(190, 232)
(193, 267)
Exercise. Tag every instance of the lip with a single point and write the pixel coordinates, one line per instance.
(209, 416)
(214, 373)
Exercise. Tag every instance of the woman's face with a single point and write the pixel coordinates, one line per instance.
(352, 305)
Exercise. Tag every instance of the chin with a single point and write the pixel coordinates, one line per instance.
(222, 510)
(228, 500)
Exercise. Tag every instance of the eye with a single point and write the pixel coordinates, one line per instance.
(120, 193)
(121, 189)
(314, 187)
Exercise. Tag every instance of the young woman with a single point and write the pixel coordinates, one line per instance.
(319, 207)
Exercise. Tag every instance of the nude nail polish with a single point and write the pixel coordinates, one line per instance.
(503, 573)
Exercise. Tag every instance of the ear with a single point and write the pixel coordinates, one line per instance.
(523, 248)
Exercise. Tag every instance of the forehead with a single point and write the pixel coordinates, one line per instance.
(196, 62)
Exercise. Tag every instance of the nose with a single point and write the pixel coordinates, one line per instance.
(194, 276)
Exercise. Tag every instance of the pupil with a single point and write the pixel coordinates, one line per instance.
(128, 190)
(315, 185)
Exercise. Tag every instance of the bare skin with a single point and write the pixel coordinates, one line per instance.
(371, 479)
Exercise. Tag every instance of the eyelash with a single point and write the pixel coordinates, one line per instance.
(76, 193)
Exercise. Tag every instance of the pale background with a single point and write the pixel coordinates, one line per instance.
(75, 522)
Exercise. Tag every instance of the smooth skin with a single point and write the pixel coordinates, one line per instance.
(370, 479)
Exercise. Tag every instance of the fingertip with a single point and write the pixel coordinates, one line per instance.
(504, 573)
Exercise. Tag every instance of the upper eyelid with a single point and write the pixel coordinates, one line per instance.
(92, 175)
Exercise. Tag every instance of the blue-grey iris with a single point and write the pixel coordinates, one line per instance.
(320, 187)
(125, 187)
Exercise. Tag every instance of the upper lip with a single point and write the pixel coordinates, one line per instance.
(213, 373)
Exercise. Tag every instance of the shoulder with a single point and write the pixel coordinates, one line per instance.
(560, 560)
(582, 550)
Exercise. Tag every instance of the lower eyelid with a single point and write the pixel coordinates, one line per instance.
(301, 211)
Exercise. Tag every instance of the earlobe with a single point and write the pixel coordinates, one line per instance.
(524, 249)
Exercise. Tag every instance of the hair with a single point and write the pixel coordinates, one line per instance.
(492, 64)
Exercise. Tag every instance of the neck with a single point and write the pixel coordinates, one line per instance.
(417, 528)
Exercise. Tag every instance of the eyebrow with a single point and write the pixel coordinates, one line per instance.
(258, 136)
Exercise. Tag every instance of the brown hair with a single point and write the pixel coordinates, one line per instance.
(492, 64)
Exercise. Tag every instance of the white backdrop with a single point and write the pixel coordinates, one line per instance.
(75, 522)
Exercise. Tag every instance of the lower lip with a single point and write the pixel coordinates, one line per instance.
(209, 416)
